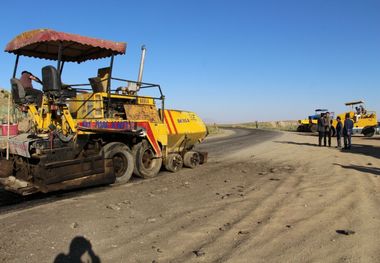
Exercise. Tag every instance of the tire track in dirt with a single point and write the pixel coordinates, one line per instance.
(189, 223)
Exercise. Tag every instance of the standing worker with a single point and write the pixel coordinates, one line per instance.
(339, 129)
(327, 128)
(321, 129)
(347, 131)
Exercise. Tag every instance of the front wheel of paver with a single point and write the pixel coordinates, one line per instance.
(191, 159)
(147, 164)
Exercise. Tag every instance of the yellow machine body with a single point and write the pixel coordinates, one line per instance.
(184, 129)
(170, 132)
(98, 132)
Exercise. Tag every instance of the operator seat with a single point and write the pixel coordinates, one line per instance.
(53, 85)
(51, 81)
(18, 93)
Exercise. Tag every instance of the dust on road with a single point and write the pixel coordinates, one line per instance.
(267, 202)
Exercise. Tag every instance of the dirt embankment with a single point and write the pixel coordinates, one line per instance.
(284, 200)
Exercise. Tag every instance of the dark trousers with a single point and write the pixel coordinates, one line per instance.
(36, 94)
(321, 135)
(339, 140)
(347, 141)
(328, 137)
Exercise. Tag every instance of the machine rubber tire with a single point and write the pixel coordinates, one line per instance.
(368, 131)
(174, 162)
(191, 159)
(135, 148)
(313, 128)
(122, 159)
(147, 165)
(300, 128)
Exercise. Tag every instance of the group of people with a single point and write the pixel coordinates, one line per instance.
(342, 130)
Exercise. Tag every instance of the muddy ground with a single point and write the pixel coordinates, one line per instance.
(263, 197)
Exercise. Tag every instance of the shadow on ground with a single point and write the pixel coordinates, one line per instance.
(367, 150)
(365, 169)
(80, 250)
(297, 143)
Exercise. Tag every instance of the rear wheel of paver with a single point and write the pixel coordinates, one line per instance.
(147, 164)
(122, 159)
(191, 159)
(174, 162)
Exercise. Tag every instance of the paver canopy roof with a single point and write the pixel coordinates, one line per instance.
(44, 43)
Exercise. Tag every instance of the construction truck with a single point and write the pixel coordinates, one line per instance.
(92, 133)
(365, 122)
(310, 124)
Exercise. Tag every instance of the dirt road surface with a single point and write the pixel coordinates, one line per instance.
(263, 197)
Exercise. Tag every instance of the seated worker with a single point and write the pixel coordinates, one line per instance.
(26, 81)
(362, 110)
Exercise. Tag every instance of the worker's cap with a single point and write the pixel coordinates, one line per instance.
(27, 72)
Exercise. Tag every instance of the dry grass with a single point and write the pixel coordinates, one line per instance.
(271, 125)
(213, 129)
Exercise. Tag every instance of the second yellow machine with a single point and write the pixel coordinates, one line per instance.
(365, 122)
(91, 134)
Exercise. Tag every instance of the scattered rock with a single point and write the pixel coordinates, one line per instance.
(244, 171)
(74, 225)
(263, 173)
(288, 168)
(226, 181)
(225, 196)
(159, 250)
(199, 252)
(217, 193)
(154, 261)
(127, 202)
(346, 232)
(259, 222)
(369, 163)
(273, 170)
(151, 219)
(224, 227)
(151, 195)
(274, 179)
(242, 232)
(289, 226)
(113, 207)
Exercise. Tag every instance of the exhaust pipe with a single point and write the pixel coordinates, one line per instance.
(139, 78)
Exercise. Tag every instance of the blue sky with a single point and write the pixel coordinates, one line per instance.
(229, 61)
